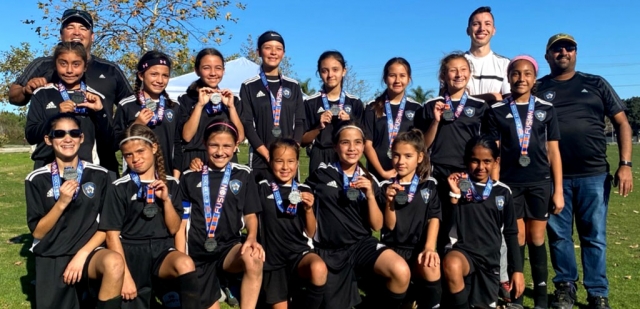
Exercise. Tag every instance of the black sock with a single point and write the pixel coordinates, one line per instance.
(429, 293)
(460, 300)
(513, 291)
(539, 273)
(388, 299)
(114, 303)
(188, 283)
(312, 298)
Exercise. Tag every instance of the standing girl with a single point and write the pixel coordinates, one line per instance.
(205, 103)
(220, 201)
(327, 109)
(272, 105)
(412, 217)
(529, 147)
(389, 114)
(151, 106)
(482, 212)
(289, 223)
(64, 200)
(347, 212)
(68, 93)
(141, 216)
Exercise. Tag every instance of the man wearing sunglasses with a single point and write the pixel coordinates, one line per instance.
(581, 102)
(102, 75)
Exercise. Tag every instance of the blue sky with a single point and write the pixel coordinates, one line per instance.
(370, 32)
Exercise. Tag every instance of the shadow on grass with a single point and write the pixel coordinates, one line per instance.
(28, 289)
(528, 292)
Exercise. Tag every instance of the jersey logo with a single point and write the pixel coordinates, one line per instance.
(509, 116)
(199, 185)
(320, 110)
(270, 196)
(235, 186)
(50, 193)
(500, 202)
(379, 246)
(410, 114)
(541, 115)
(549, 95)
(50, 105)
(169, 115)
(89, 189)
(332, 184)
(584, 90)
(101, 76)
(469, 111)
(286, 92)
(426, 193)
(171, 300)
(347, 109)
(134, 197)
(260, 94)
(493, 305)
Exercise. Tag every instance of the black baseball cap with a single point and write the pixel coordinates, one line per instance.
(76, 15)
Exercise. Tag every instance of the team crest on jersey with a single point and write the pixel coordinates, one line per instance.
(410, 114)
(469, 111)
(89, 189)
(347, 109)
(500, 202)
(540, 115)
(171, 300)
(169, 115)
(286, 92)
(549, 95)
(235, 186)
(426, 193)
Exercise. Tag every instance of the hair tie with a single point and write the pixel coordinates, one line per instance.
(224, 124)
(135, 137)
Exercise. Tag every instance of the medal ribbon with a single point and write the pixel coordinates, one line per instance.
(212, 219)
(414, 186)
(392, 127)
(136, 179)
(212, 109)
(523, 134)
(463, 101)
(276, 102)
(473, 194)
(325, 100)
(55, 179)
(292, 208)
(346, 184)
(65, 96)
(158, 114)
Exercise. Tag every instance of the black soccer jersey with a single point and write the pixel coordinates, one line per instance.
(448, 146)
(168, 131)
(241, 199)
(187, 103)
(314, 108)
(45, 103)
(257, 117)
(123, 210)
(283, 237)
(340, 221)
(412, 218)
(581, 104)
(376, 129)
(545, 128)
(79, 221)
(477, 227)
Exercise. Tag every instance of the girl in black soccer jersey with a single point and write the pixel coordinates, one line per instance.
(327, 109)
(526, 130)
(389, 114)
(68, 93)
(151, 106)
(412, 217)
(64, 199)
(482, 207)
(220, 201)
(347, 212)
(141, 215)
(288, 224)
(204, 103)
(272, 105)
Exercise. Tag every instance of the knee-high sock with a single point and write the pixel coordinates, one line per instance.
(312, 298)
(114, 303)
(513, 292)
(460, 300)
(189, 290)
(539, 273)
(430, 293)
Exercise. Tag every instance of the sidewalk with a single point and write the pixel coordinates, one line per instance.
(15, 149)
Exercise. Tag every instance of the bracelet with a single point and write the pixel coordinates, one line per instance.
(451, 194)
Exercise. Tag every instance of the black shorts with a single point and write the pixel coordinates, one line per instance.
(52, 292)
(344, 266)
(208, 272)
(144, 259)
(275, 283)
(441, 173)
(532, 201)
(319, 155)
(483, 283)
(409, 255)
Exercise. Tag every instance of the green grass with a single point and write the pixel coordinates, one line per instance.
(16, 263)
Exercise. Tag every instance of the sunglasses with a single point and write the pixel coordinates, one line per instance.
(75, 133)
(81, 13)
(568, 48)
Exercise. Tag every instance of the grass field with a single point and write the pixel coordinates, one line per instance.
(16, 262)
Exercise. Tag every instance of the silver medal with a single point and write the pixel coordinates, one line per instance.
(402, 197)
(216, 98)
(77, 97)
(70, 173)
(152, 105)
(390, 154)
(276, 131)
(448, 115)
(295, 197)
(353, 194)
(335, 110)
(210, 245)
(524, 160)
(150, 210)
(465, 185)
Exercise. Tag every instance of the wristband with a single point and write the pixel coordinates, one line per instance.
(451, 194)
(625, 163)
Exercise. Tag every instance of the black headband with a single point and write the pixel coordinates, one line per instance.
(155, 61)
(270, 36)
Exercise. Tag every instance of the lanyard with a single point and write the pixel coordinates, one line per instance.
(392, 127)
(276, 102)
(65, 96)
(414, 186)
(473, 194)
(346, 184)
(212, 219)
(150, 194)
(212, 109)
(55, 179)
(463, 101)
(325, 100)
(158, 114)
(292, 208)
(524, 135)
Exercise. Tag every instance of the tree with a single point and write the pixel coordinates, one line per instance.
(125, 29)
(12, 63)
(306, 87)
(249, 50)
(633, 113)
(355, 86)
(420, 94)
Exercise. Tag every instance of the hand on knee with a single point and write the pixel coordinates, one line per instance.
(430, 273)
(252, 264)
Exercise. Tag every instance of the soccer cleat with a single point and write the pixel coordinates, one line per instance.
(232, 301)
(598, 302)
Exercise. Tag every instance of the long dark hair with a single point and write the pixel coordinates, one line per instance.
(378, 103)
(335, 55)
(220, 127)
(192, 91)
(146, 132)
(336, 139)
(148, 56)
(483, 141)
(68, 47)
(415, 138)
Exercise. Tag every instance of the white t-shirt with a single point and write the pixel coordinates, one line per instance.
(488, 74)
